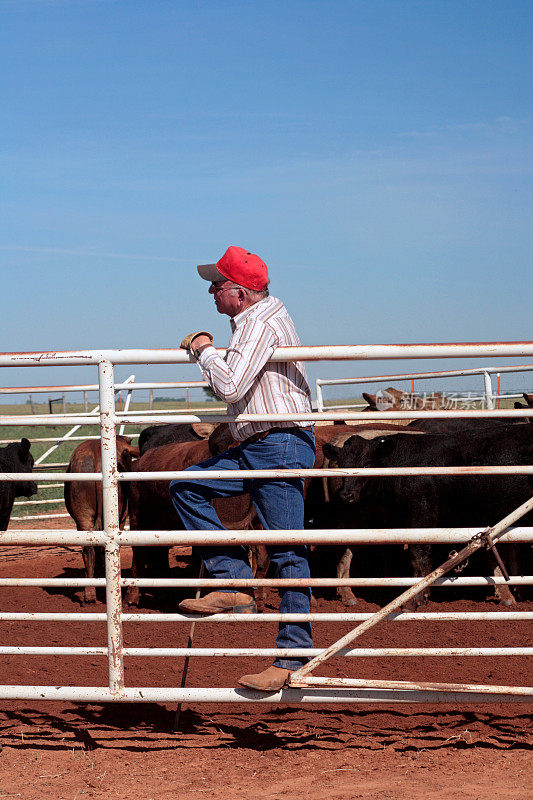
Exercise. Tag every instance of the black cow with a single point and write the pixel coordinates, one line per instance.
(14, 457)
(440, 501)
(528, 397)
(159, 435)
(461, 424)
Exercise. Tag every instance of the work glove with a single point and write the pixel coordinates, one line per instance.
(186, 343)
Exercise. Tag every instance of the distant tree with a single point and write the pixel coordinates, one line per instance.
(210, 393)
(158, 399)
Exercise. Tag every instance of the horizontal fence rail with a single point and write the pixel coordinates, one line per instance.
(245, 583)
(317, 696)
(367, 352)
(316, 690)
(418, 616)
(325, 536)
(485, 372)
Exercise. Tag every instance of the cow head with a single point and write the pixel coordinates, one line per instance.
(529, 404)
(203, 429)
(356, 452)
(220, 439)
(124, 445)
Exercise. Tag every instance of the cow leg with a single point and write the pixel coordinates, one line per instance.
(420, 555)
(421, 564)
(260, 563)
(344, 563)
(502, 592)
(156, 558)
(137, 568)
(89, 557)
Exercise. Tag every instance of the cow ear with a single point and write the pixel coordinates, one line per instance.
(331, 451)
(370, 399)
(24, 448)
(203, 429)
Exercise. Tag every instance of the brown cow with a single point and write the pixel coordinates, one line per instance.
(392, 399)
(84, 499)
(151, 507)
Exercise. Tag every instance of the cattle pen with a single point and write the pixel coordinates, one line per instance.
(333, 689)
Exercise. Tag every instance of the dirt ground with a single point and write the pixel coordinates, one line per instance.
(416, 752)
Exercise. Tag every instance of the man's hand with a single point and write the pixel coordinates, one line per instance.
(196, 341)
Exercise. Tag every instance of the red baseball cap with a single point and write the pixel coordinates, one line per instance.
(237, 265)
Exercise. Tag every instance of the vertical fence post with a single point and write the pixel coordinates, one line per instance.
(151, 399)
(497, 390)
(488, 390)
(85, 402)
(319, 396)
(111, 526)
(131, 379)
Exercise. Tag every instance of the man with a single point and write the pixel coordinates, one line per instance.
(252, 385)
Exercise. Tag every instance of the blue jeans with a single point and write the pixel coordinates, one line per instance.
(280, 506)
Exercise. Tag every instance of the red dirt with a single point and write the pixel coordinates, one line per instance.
(67, 750)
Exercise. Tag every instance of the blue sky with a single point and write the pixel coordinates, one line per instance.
(377, 155)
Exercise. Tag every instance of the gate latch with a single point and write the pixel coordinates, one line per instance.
(486, 538)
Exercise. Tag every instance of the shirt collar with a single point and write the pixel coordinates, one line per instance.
(238, 318)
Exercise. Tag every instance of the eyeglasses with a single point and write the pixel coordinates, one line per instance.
(214, 289)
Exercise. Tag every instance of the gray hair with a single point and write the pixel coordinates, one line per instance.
(252, 294)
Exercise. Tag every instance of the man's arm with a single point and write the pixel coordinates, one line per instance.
(248, 352)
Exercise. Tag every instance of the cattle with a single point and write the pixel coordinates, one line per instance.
(460, 425)
(439, 501)
(83, 500)
(151, 508)
(14, 457)
(528, 404)
(322, 508)
(158, 435)
(392, 399)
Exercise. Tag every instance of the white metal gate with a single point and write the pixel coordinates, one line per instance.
(316, 690)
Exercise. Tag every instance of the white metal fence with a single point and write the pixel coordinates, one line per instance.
(488, 397)
(129, 385)
(317, 690)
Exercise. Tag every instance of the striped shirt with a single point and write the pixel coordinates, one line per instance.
(246, 379)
